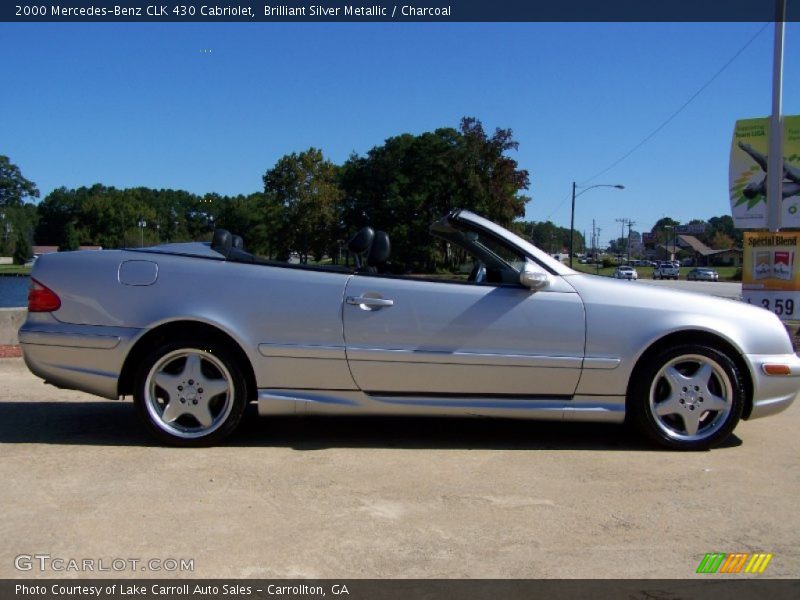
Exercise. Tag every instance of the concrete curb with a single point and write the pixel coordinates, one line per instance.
(11, 319)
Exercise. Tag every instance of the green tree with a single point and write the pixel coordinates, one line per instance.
(246, 216)
(721, 241)
(724, 224)
(405, 184)
(663, 224)
(22, 249)
(71, 240)
(549, 237)
(303, 188)
(618, 246)
(14, 188)
(664, 231)
(17, 216)
(61, 206)
(492, 179)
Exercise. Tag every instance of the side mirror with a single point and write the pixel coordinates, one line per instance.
(533, 279)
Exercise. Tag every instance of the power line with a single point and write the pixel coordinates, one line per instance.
(666, 122)
(669, 119)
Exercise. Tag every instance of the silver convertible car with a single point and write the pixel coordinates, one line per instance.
(196, 331)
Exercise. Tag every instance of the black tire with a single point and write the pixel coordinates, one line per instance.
(688, 397)
(173, 404)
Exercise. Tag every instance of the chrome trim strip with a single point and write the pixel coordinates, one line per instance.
(445, 357)
(301, 351)
(601, 363)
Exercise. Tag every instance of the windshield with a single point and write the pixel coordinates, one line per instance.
(476, 223)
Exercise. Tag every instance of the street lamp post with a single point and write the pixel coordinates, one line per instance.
(572, 218)
(142, 225)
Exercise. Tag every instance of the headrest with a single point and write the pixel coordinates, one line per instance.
(221, 242)
(380, 249)
(361, 241)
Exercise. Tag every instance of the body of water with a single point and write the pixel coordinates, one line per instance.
(14, 291)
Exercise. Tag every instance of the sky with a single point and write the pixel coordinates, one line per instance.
(211, 107)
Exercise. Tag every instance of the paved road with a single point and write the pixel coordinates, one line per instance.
(386, 498)
(724, 289)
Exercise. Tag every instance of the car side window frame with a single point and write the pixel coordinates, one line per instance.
(459, 237)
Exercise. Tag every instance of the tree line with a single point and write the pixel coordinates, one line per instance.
(309, 206)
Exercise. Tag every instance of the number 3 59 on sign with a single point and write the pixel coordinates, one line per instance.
(784, 304)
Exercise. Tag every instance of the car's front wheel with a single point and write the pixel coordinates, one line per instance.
(687, 398)
(190, 393)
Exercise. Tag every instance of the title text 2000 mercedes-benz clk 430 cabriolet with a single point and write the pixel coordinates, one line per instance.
(196, 331)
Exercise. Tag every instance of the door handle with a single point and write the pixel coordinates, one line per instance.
(369, 303)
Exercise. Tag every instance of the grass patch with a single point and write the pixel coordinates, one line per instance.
(14, 270)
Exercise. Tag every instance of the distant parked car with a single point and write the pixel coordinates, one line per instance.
(700, 274)
(625, 273)
(666, 270)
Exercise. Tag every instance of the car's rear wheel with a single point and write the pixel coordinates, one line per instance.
(190, 393)
(687, 398)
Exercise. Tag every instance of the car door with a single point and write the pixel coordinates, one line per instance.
(418, 337)
(484, 335)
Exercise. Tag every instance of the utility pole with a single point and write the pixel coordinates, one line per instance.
(621, 233)
(775, 153)
(625, 221)
(596, 265)
(630, 224)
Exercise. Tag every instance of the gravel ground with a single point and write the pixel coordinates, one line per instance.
(347, 497)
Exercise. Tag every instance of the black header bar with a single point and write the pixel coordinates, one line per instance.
(251, 11)
(704, 587)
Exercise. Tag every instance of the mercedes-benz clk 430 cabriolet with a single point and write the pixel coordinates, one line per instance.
(195, 331)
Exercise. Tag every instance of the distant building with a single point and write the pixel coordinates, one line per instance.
(704, 256)
(39, 250)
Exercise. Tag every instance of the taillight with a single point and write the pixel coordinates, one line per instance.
(42, 299)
